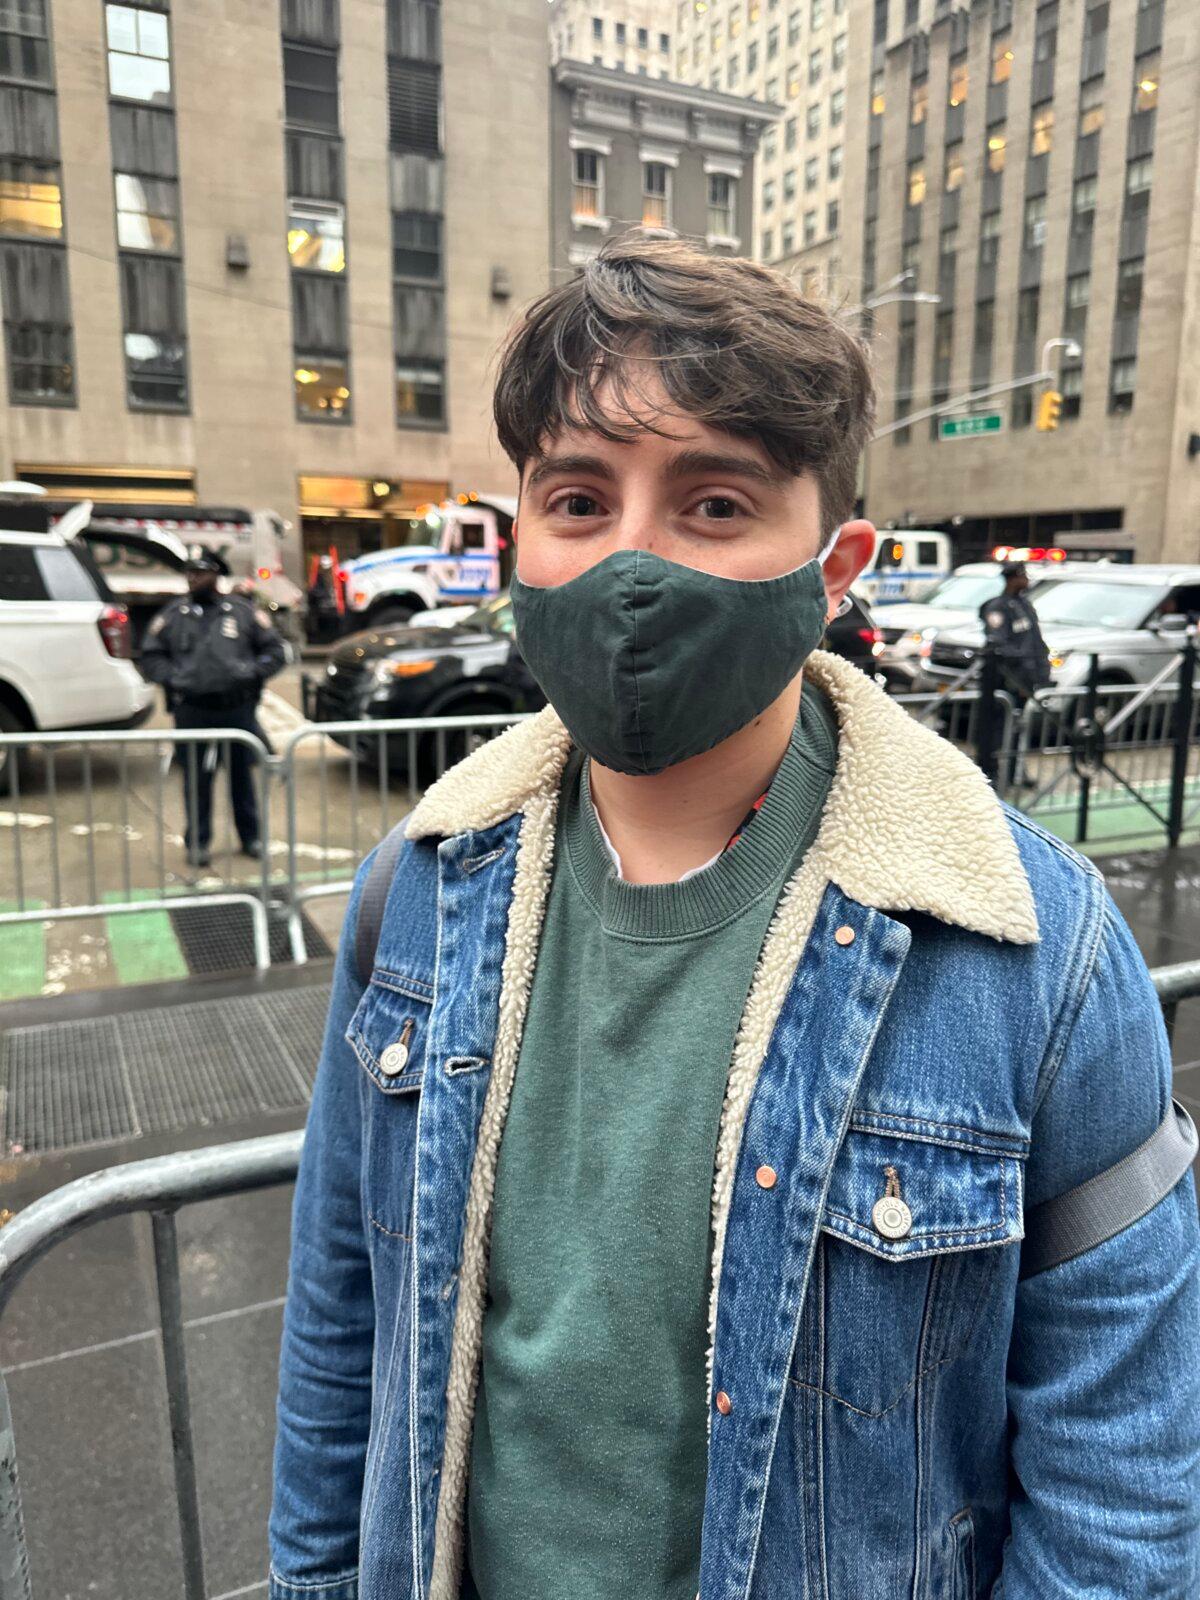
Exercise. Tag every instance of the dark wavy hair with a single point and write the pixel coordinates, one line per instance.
(734, 344)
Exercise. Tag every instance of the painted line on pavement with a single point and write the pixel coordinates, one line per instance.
(137, 1338)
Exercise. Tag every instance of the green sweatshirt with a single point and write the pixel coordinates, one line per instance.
(589, 1452)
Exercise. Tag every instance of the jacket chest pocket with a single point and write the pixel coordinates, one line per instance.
(388, 1033)
(911, 1243)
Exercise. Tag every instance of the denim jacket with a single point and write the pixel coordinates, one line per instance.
(947, 1004)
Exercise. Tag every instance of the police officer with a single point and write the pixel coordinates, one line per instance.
(1011, 626)
(1011, 630)
(212, 653)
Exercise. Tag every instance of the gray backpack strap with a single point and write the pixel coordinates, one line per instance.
(1058, 1230)
(374, 899)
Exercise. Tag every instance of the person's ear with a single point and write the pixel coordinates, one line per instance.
(852, 551)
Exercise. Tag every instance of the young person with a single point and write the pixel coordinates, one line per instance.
(658, 1231)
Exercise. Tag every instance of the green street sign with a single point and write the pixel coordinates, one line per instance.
(970, 427)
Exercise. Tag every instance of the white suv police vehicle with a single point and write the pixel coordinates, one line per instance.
(65, 645)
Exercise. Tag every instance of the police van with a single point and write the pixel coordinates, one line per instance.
(458, 553)
(907, 565)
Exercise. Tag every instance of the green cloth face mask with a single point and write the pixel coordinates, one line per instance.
(649, 663)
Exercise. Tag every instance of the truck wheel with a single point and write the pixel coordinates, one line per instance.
(392, 616)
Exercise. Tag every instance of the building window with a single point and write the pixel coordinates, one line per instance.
(1035, 222)
(793, 33)
(789, 134)
(147, 213)
(30, 199)
(768, 195)
(997, 146)
(959, 79)
(817, 14)
(1079, 289)
(812, 121)
(837, 59)
(656, 194)
(620, 35)
(1070, 386)
(1145, 88)
(155, 333)
(1041, 131)
(947, 242)
(954, 168)
(752, 57)
(812, 172)
(414, 105)
(310, 87)
(417, 245)
(1138, 176)
(878, 98)
(24, 43)
(837, 108)
(1091, 107)
(788, 238)
(918, 102)
(1129, 287)
(768, 244)
(772, 90)
(835, 163)
(597, 27)
(316, 236)
(37, 324)
(139, 55)
(1002, 60)
(810, 227)
(916, 182)
(832, 213)
(722, 201)
(643, 38)
(664, 44)
(1122, 381)
(1045, 42)
(814, 66)
(789, 184)
(732, 72)
(989, 238)
(587, 192)
(770, 149)
(772, 42)
(1027, 315)
(984, 327)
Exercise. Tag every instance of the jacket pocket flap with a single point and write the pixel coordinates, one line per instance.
(388, 1033)
(952, 1197)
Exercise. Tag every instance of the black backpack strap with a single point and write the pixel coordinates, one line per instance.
(374, 899)
(1058, 1230)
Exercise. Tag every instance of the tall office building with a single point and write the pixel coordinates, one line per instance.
(1035, 166)
(794, 54)
(632, 36)
(266, 260)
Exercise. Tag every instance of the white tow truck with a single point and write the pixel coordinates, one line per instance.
(456, 555)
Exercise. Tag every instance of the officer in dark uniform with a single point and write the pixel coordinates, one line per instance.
(1011, 629)
(212, 653)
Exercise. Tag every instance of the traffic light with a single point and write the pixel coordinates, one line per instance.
(1049, 407)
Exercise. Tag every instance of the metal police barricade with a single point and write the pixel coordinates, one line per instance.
(124, 860)
(160, 1187)
(347, 783)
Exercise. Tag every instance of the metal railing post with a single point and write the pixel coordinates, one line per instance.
(179, 1410)
(987, 744)
(14, 1557)
(1180, 739)
(1085, 783)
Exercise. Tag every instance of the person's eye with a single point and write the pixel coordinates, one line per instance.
(575, 504)
(719, 508)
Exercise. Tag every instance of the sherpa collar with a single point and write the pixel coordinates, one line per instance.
(911, 824)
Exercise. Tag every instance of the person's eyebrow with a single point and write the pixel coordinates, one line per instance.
(710, 463)
(552, 466)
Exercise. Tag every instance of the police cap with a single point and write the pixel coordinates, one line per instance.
(201, 559)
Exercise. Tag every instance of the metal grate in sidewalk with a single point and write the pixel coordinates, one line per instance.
(67, 1084)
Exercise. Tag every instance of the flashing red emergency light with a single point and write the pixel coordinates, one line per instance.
(1012, 552)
